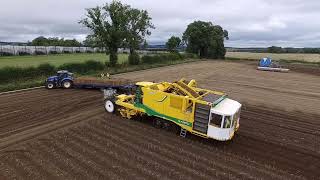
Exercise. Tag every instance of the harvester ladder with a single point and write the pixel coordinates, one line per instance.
(183, 132)
(201, 118)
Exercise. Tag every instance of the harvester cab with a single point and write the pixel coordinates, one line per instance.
(63, 79)
(267, 64)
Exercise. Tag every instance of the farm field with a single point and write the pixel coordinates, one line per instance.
(67, 134)
(56, 60)
(315, 58)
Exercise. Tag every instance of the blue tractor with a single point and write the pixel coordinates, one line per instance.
(63, 79)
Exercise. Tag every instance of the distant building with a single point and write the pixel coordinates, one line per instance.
(14, 43)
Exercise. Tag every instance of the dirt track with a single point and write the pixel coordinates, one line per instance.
(67, 134)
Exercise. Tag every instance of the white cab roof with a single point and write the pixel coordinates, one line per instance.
(226, 107)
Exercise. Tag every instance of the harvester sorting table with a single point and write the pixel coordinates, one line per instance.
(181, 104)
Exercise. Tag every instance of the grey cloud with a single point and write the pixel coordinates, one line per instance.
(249, 22)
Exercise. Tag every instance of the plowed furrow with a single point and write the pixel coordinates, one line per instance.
(295, 117)
(19, 162)
(238, 165)
(8, 172)
(138, 127)
(91, 168)
(137, 154)
(64, 160)
(282, 121)
(48, 162)
(104, 155)
(275, 155)
(200, 164)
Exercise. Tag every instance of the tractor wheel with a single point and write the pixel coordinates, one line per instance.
(67, 84)
(50, 85)
(110, 106)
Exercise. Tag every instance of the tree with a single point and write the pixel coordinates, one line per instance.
(54, 41)
(118, 25)
(72, 43)
(40, 41)
(173, 43)
(205, 39)
(275, 49)
(138, 28)
(109, 25)
(92, 41)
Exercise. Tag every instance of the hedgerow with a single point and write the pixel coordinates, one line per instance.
(9, 74)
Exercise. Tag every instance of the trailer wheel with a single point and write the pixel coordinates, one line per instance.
(49, 85)
(110, 106)
(67, 84)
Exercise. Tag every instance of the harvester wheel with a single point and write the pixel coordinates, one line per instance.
(67, 84)
(49, 85)
(157, 123)
(110, 106)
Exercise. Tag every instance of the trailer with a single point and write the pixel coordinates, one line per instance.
(267, 64)
(65, 79)
(181, 104)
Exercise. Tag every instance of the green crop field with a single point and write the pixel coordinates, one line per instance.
(313, 58)
(56, 60)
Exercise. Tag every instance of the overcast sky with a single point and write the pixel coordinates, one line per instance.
(289, 23)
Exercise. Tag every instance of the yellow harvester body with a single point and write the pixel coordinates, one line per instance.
(206, 113)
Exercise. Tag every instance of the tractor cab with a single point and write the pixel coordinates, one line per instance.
(63, 79)
(64, 74)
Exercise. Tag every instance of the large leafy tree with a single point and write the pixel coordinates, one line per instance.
(205, 39)
(118, 25)
(109, 24)
(173, 43)
(138, 27)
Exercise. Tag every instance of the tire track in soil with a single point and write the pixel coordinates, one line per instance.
(81, 167)
(38, 116)
(167, 152)
(17, 161)
(214, 144)
(232, 161)
(92, 169)
(38, 121)
(47, 161)
(138, 154)
(7, 172)
(55, 159)
(78, 142)
(101, 149)
(277, 157)
(156, 146)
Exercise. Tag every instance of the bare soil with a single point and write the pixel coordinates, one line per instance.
(66, 134)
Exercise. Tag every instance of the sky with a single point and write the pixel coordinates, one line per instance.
(251, 23)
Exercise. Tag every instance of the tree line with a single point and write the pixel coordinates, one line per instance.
(277, 49)
(54, 41)
(116, 25)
